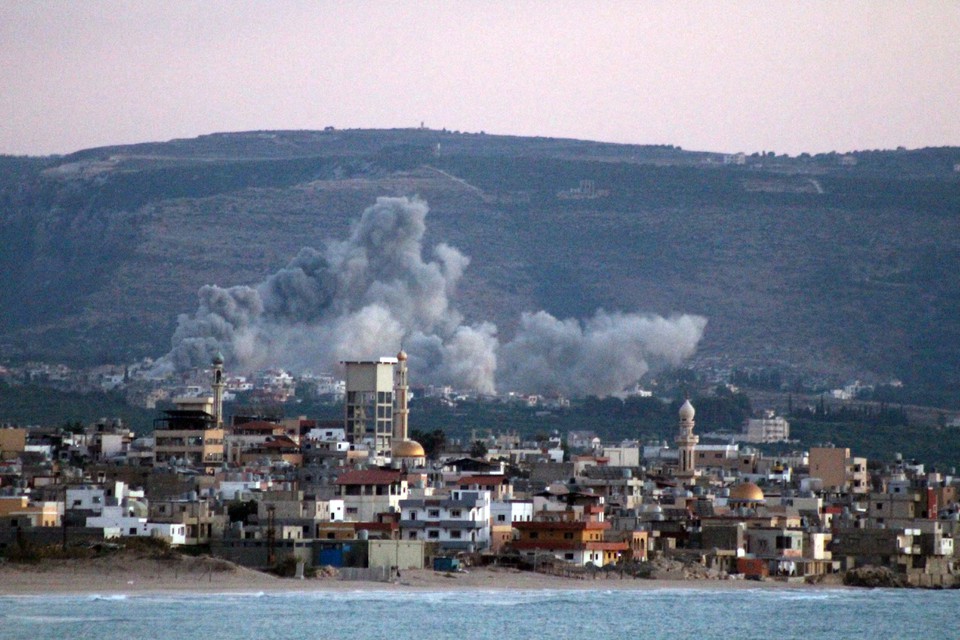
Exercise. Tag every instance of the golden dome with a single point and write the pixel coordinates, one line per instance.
(746, 492)
(407, 449)
(402, 355)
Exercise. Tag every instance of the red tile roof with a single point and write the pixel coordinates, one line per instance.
(279, 443)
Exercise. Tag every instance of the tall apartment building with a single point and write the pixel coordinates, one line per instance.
(838, 470)
(368, 410)
(192, 434)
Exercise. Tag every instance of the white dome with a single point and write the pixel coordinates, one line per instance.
(687, 411)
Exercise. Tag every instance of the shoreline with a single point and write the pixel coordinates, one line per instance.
(146, 577)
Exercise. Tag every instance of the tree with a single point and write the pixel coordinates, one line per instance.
(478, 449)
(433, 442)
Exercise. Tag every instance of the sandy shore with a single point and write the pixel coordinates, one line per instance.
(142, 576)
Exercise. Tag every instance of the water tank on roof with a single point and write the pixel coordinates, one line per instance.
(363, 534)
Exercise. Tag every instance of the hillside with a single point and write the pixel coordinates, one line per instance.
(813, 265)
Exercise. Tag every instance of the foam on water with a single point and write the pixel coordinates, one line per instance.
(110, 597)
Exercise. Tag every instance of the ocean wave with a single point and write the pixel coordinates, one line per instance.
(52, 619)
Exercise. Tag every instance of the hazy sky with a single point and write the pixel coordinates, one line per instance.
(718, 76)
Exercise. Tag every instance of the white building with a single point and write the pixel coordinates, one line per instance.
(121, 521)
(330, 434)
(770, 428)
(95, 498)
(366, 493)
(460, 522)
(507, 511)
(621, 456)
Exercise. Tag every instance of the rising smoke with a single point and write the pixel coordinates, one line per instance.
(365, 296)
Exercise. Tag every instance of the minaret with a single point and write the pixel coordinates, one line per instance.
(218, 386)
(686, 442)
(403, 451)
(400, 397)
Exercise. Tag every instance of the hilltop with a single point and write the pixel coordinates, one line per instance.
(811, 264)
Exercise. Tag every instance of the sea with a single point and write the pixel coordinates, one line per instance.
(764, 614)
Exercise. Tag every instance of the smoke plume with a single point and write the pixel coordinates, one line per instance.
(365, 296)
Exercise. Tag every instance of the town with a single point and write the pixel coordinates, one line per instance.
(359, 497)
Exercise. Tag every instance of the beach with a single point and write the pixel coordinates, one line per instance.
(144, 575)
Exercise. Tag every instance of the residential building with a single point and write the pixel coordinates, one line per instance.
(459, 522)
(838, 470)
(770, 428)
(571, 536)
(368, 410)
(366, 493)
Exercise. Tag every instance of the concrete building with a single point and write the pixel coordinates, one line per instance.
(195, 520)
(460, 522)
(19, 508)
(238, 438)
(192, 435)
(189, 437)
(622, 456)
(509, 511)
(366, 493)
(368, 410)
(13, 442)
(838, 470)
(770, 428)
(577, 537)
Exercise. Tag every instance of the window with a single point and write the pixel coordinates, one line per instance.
(534, 535)
(454, 513)
(412, 535)
(568, 535)
(433, 534)
(568, 556)
(784, 542)
(133, 531)
(413, 515)
(501, 518)
(434, 513)
(455, 535)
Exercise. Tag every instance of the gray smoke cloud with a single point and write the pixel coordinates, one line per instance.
(365, 296)
(600, 356)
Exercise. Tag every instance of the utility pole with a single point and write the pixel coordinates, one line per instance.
(271, 536)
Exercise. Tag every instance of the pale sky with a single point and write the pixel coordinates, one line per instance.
(714, 76)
